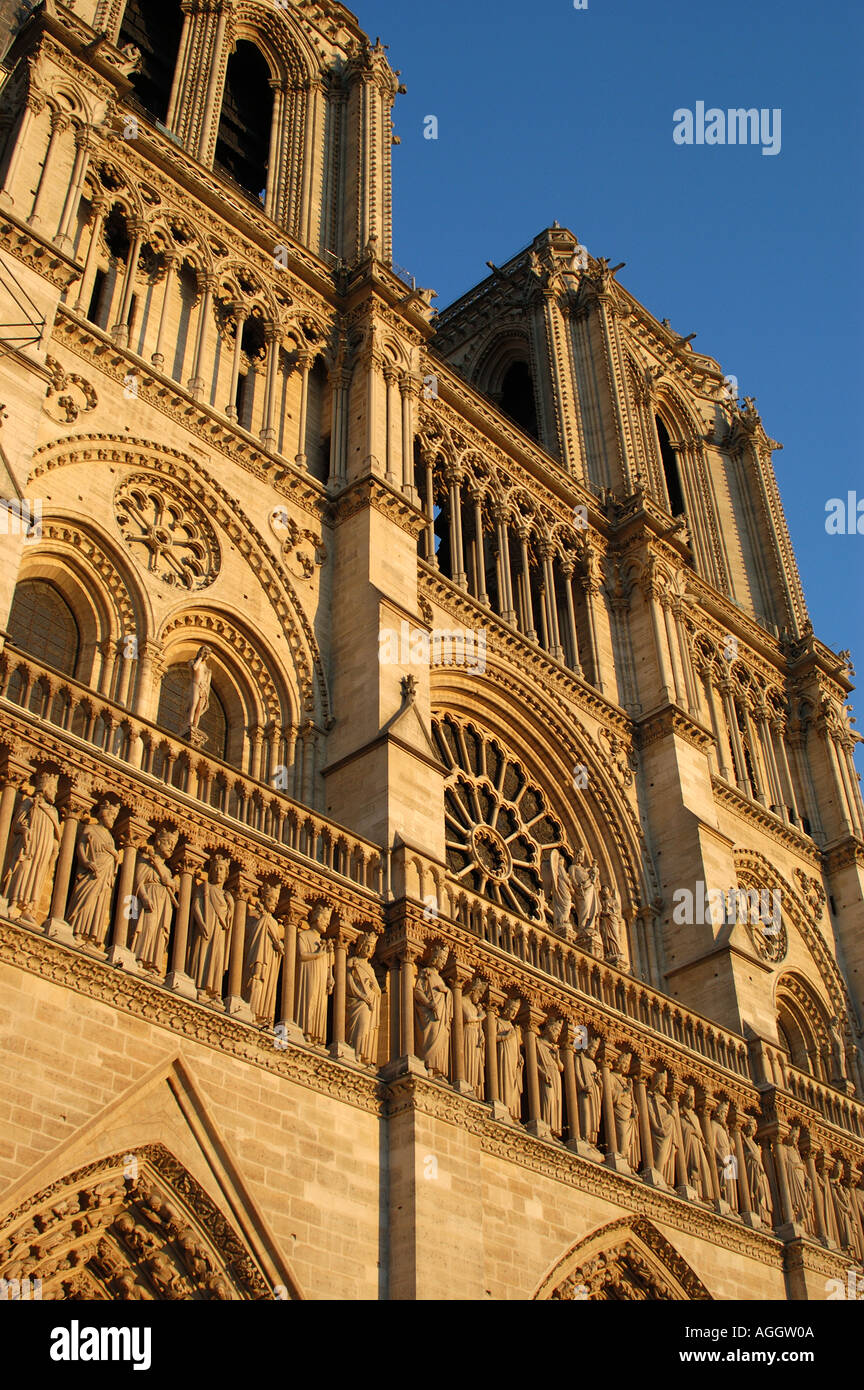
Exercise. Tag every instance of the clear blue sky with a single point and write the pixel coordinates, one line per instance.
(546, 113)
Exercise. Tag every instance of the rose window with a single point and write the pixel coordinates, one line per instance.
(498, 825)
(167, 532)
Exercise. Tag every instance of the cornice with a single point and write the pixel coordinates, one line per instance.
(659, 724)
(372, 492)
(551, 1159)
(38, 254)
(754, 814)
(77, 971)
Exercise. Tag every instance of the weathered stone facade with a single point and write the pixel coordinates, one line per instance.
(432, 849)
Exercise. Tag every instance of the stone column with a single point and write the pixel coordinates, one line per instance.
(592, 594)
(567, 569)
(88, 276)
(76, 183)
(59, 124)
(457, 556)
(196, 383)
(725, 688)
(268, 433)
(189, 863)
(158, 358)
(288, 1026)
(34, 104)
(390, 374)
(408, 389)
(339, 1048)
(304, 362)
(508, 612)
(479, 551)
(239, 314)
(74, 806)
(527, 605)
(242, 889)
(778, 725)
(133, 834)
(571, 1097)
(15, 773)
(120, 330)
(554, 644)
(213, 82)
(719, 738)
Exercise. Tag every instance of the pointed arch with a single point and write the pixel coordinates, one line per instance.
(627, 1261)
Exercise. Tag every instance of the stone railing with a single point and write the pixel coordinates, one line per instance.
(163, 759)
(597, 980)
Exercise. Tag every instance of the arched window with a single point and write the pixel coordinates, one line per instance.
(155, 28)
(243, 143)
(671, 473)
(42, 624)
(517, 397)
(174, 712)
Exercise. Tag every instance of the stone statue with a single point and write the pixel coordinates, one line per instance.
(363, 1000)
(264, 947)
(433, 1013)
(314, 974)
(562, 893)
(511, 1063)
(840, 1073)
(199, 697)
(473, 1035)
(89, 910)
(36, 840)
(589, 1090)
(695, 1160)
(797, 1178)
(624, 1109)
(212, 914)
(842, 1201)
(757, 1179)
(610, 925)
(723, 1153)
(661, 1121)
(155, 897)
(549, 1068)
(583, 875)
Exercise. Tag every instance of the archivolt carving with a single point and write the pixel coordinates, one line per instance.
(796, 911)
(59, 534)
(627, 1261)
(218, 504)
(132, 1226)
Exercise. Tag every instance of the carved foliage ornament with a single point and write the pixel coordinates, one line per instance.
(167, 532)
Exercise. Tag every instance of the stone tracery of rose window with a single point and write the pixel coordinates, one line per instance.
(498, 824)
(167, 532)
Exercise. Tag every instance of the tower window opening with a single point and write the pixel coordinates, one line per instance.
(671, 472)
(243, 144)
(155, 29)
(517, 397)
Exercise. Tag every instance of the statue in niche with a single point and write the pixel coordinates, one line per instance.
(549, 1068)
(155, 892)
(661, 1121)
(511, 1063)
(695, 1159)
(757, 1179)
(89, 910)
(199, 696)
(589, 1090)
(212, 914)
(473, 1035)
(842, 1201)
(314, 974)
(363, 1000)
(723, 1153)
(840, 1074)
(797, 1178)
(624, 1109)
(610, 925)
(264, 947)
(561, 892)
(433, 1013)
(35, 843)
(583, 875)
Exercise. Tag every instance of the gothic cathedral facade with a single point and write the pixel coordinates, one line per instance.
(432, 852)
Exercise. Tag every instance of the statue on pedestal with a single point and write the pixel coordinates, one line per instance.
(550, 1067)
(797, 1178)
(212, 916)
(661, 1121)
(511, 1063)
(473, 1035)
(264, 948)
(155, 898)
(363, 1000)
(433, 1013)
(35, 843)
(610, 925)
(624, 1109)
(314, 974)
(757, 1179)
(583, 875)
(589, 1090)
(695, 1158)
(89, 910)
(199, 695)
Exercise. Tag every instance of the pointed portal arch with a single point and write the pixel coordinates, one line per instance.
(628, 1261)
(134, 1226)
